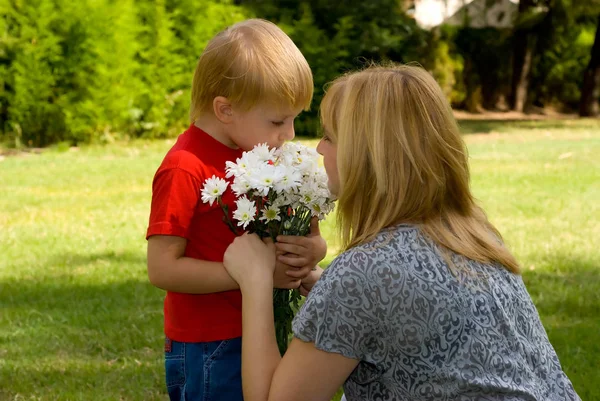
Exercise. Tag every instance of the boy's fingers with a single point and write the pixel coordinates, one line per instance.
(291, 248)
(299, 273)
(283, 266)
(293, 261)
(292, 285)
(291, 239)
(314, 227)
(296, 273)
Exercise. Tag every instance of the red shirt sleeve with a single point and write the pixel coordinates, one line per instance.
(175, 195)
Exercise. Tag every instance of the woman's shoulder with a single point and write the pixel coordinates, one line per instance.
(406, 254)
(386, 251)
(389, 242)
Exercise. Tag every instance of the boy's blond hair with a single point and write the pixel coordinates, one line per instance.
(249, 63)
(401, 159)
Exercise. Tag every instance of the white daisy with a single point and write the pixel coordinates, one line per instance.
(265, 178)
(263, 153)
(213, 188)
(270, 213)
(240, 186)
(245, 212)
(290, 179)
(243, 166)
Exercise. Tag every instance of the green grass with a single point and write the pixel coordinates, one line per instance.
(79, 321)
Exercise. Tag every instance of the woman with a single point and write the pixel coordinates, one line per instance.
(425, 302)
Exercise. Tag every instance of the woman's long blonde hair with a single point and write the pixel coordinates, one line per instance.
(401, 159)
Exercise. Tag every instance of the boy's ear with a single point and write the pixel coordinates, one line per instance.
(223, 109)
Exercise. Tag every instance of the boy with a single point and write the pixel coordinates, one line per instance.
(250, 83)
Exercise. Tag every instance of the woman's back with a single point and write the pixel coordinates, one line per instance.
(423, 331)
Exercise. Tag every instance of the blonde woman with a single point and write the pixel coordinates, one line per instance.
(425, 302)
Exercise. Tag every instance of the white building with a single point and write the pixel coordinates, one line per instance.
(478, 13)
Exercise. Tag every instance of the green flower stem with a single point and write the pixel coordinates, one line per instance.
(226, 218)
(285, 302)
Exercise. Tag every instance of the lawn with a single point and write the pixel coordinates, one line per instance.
(79, 320)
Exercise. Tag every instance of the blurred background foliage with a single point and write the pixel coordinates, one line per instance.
(96, 71)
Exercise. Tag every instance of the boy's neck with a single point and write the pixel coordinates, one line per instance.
(215, 129)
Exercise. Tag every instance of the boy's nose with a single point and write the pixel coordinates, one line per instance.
(289, 134)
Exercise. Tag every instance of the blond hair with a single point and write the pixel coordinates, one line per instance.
(401, 159)
(249, 63)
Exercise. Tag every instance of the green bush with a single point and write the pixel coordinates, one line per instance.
(327, 57)
(445, 63)
(487, 65)
(558, 71)
(100, 70)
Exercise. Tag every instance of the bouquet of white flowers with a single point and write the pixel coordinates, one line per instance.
(278, 192)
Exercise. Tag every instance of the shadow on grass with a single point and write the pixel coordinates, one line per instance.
(114, 327)
(64, 339)
(98, 304)
(568, 301)
(112, 310)
(571, 291)
(98, 383)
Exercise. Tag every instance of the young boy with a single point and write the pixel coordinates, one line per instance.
(250, 83)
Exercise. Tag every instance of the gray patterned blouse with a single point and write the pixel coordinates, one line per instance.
(424, 332)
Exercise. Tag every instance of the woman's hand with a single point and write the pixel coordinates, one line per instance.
(250, 261)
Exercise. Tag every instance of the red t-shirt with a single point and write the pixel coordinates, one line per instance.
(177, 209)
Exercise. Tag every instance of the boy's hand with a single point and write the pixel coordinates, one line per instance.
(309, 282)
(281, 278)
(301, 253)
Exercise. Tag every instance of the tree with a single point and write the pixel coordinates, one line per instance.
(545, 32)
(524, 44)
(590, 91)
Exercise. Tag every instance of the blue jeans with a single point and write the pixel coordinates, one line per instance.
(204, 371)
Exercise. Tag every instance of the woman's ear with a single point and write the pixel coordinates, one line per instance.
(223, 109)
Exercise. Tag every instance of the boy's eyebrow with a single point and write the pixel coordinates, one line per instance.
(291, 115)
(284, 115)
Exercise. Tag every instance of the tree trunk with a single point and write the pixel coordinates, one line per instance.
(472, 102)
(591, 81)
(522, 58)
